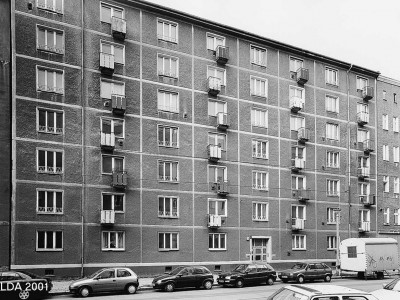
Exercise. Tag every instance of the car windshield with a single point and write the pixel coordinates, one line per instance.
(299, 266)
(176, 271)
(240, 268)
(95, 273)
(391, 285)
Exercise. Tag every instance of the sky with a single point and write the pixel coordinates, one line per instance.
(362, 32)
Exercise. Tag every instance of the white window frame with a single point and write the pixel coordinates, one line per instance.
(215, 37)
(170, 235)
(55, 211)
(331, 215)
(162, 142)
(113, 121)
(294, 90)
(328, 106)
(258, 56)
(112, 7)
(46, 171)
(385, 122)
(214, 168)
(171, 164)
(332, 242)
(56, 89)
(217, 212)
(113, 83)
(161, 69)
(113, 201)
(396, 216)
(297, 122)
(386, 216)
(258, 81)
(331, 76)
(296, 242)
(396, 185)
(396, 124)
(367, 218)
(170, 94)
(331, 157)
(259, 146)
(170, 214)
(297, 214)
(364, 188)
(384, 95)
(362, 135)
(361, 82)
(332, 183)
(396, 154)
(57, 131)
(112, 163)
(330, 131)
(215, 136)
(264, 177)
(256, 113)
(385, 152)
(213, 72)
(168, 37)
(219, 241)
(54, 233)
(296, 182)
(51, 8)
(113, 45)
(50, 48)
(256, 208)
(386, 184)
(116, 247)
(216, 103)
(295, 63)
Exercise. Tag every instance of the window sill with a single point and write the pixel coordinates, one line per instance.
(258, 65)
(169, 147)
(168, 76)
(386, 224)
(112, 250)
(332, 84)
(257, 220)
(331, 249)
(49, 213)
(50, 92)
(52, 173)
(167, 217)
(332, 196)
(216, 249)
(168, 41)
(259, 96)
(167, 250)
(50, 10)
(167, 181)
(330, 223)
(51, 132)
(303, 249)
(49, 250)
(61, 52)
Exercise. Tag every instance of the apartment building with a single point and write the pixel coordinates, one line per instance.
(151, 138)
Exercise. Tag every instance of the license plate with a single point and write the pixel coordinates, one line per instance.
(284, 276)
(220, 280)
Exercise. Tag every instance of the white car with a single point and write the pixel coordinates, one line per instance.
(390, 291)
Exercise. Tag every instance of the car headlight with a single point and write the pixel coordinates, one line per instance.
(158, 281)
(291, 274)
(228, 277)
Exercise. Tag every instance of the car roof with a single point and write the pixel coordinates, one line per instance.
(313, 289)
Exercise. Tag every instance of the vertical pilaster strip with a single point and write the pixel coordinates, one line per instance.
(193, 152)
(315, 162)
(141, 133)
(238, 143)
(279, 158)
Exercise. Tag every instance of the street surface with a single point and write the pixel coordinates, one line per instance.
(220, 293)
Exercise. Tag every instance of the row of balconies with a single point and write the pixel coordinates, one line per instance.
(298, 224)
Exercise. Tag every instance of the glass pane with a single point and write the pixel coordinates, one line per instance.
(50, 38)
(117, 13)
(59, 82)
(42, 118)
(113, 240)
(118, 164)
(40, 239)
(167, 205)
(105, 239)
(221, 208)
(41, 78)
(161, 204)
(59, 159)
(222, 241)
(106, 125)
(59, 240)
(119, 128)
(175, 136)
(175, 171)
(106, 48)
(59, 41)
(173, 33)
(174, 241)
(50, 120)
(49, 240)
(59, 200)
(105, 89)
(107, 164)
(50, 79)
(216, 242)
(59, 120)
(41, 37)
(41, 199)
(118, 202)
(50, 200)
(120, 240)
(211, 108)
(160, 240)
(119, 55)
(107, 202)
(210, 241)
(168, 240)
(50, 159)
(42, 156)
(59, 5)
(211, 207)
(106, 14)
(161, 170)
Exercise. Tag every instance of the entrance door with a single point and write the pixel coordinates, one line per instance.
(260, 249)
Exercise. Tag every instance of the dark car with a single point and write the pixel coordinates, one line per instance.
(183, 277)
(248, 274)
(17, 285)
(301, 272)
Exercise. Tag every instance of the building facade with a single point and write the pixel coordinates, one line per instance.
(148, 137)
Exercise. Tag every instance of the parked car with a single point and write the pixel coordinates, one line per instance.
(182, 277)
(319, 292)
(106, 280)
(248, 273)
(390, 291)
(301, 272)
(17, 285)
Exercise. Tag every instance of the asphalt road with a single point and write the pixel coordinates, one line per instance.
(220, 293)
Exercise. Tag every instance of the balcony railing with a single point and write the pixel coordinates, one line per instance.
(118, 28)
(107, 141)
(302, 75)
(298, 164)
(364, 226)
(222, 54)
(50, 170)
(362, 118)
(214, 85)
(297, 224)
(106, 63)
(214, 152)
(368, 146)
(119, 179)
(367, 200)
(222, 121)
(303, 135)
(220, 187)
(107, 217)
(301, 194)
(50, 89)
(214, 221)
(367, 92)
(118, 104)
(363, 172)
(52, 49)
(296, 104)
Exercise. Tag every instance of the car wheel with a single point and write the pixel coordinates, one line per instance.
(131, 288)
(169, 287)
(239, 283)
(84, 291)
(23, 295)
(208, 285)
(300, 279)
(327, 278)
(270, 281)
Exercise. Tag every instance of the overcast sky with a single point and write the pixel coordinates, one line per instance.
(361, 32)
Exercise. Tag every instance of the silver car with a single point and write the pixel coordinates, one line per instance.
(106, 280)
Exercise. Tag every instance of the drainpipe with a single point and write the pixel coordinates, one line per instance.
(348, 149)
(83, 193)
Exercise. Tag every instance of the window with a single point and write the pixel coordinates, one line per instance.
(168, 171)
(167, 66)
(109, 88)
(332, 242)
(298, 242)
(167, 136)
(113, 240)
(363, 189)
(333, 187)
(395, 124)
(364, 215)
(363, 162)
(168, 101)
(396, 187)
(396, 154)
(385, 152)
(385, 122)
(50, 40)
(260, 149)
(386, 184)
(217, 73)
(112, 164)
(217, 241)
(297, 92)
(108, 12)
(217, 207)
(331, 76)
(296, 123)
(50, 121)
(384, 95)
(168, 241)
(49, 201)
(332, 159)
(260, 180)
(386, 216)
(332, 103)
(298, 212)
(116, 50)
(50, 80)
(214, 40)
(259, 118)
(299, 153)
(295, 64)
(361, 83)
(167, 31)
(258, 87)
(168, 207)
(396, 214)
(217, 174)
(260, 211)
(352, 252)
(215, 107)
(298, 182)
(50, 161)
(51, 5)
(331, 215)
(258, 56)
(49, 241)
(217, 139)
(113, 202)
(394, 97)
(114, 127)
(362, 135)
(332, 131)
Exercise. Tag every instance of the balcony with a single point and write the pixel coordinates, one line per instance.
(107, 217)
(298, 164)
(214, 152)
(368, 146)
(302, 75)
(119, 179)
(368, 93)
(106, 63)
(296, 104)
(303, 135)
(297, 224)
(367, 200)
(222, 55)
(362, 118)
(301, 194)
(118, 28)
(363, 173)
(214, 85)
(220, 187)
(222, 121)
(118, 104)
(214, 221)
(364, 226)
(107, 141)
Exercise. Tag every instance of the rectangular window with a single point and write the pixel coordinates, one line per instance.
(168, 241)
(49, 201)
(298, 212)
(51, 5)
(331, 76)
(394, 97)
(50, 121)
(260, 180)
(109, 88)
(332, 104)
(217, 241)
(296, 123)
(333, 187)
(260, 211)
(295, 64)
(361, 82)
(50, 161)
(259, 118)
(385, 152)
(50, 40)
(331, 215)
(168, 207)
(168, 136)
(112, 164)
(214, 40)
(116, 50)
(396, 214)
(386, 184)
(384, 95)
(108, 12)
(215, 107)
(113, 202)
(362, 135)
(167, 31)
(332, 131)
(217, 140)
(260, 149)
(386, 216)
(298, 182)
(168, 101)
(332, 159)
(363, 189)
(395, 124)
(258, 87)
(113, 240)
(331, 242)
(113, 127)
(217, 207)
(49, 241)
(50, 80)
(258, 56)
(217, 73)
(396, 187)
(217, 174)
(168, 171)
(167, 66)
(352, 252)
(296, 92)
(364, 215)
(298, 242)
(385, 122)
(396, 154)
